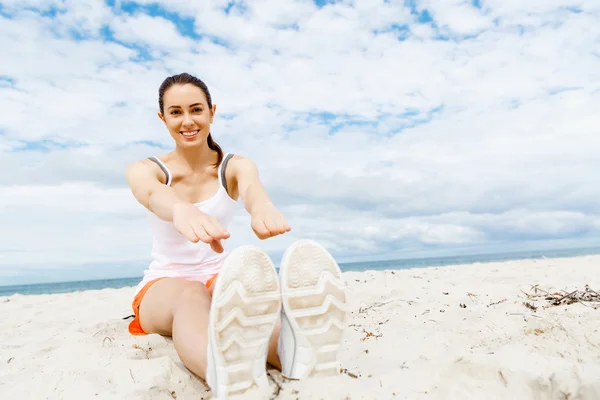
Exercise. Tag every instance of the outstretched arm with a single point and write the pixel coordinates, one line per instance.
(150, 192)
(166, 204)
(267, 221)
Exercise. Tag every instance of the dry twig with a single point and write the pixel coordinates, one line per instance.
(345, 371)
(362, 310)
(370, 334)
(278, 386)
(564, 297)
(496, 303)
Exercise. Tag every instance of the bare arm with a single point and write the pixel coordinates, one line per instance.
(167, 205)
(150, 192)
(267, 221)
(251, 190)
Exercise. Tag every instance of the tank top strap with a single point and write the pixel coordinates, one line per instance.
(222, 168)
(164, 169)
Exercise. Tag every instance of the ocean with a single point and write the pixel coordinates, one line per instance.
(65, 287)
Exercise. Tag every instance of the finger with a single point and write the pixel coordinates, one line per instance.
(201, 233)
(271, 226)
(282, 225)
(285, 226)
(189, 233)
(276, 226)
(223, 234)
(217, 246)
(207, 226)
(211, 229)
(260, 229)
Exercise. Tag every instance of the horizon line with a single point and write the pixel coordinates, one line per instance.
(593, 251)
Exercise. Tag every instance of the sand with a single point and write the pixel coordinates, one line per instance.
(409, 338)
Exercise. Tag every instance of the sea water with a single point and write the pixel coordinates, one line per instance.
(65, 287)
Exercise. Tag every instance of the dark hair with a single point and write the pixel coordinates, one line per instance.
(184, 79)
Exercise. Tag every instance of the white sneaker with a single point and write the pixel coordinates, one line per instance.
(314, 312)
(246, 304)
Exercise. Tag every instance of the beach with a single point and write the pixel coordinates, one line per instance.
(501, 330)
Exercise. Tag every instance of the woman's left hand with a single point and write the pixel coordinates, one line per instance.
(267, 222)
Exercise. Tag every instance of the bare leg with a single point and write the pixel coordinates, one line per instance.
(272, 356)
(179, 308)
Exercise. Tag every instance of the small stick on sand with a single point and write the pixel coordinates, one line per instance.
(345, 371)
(557, 299)
(277, 384)
(496, 303)
(380, 304)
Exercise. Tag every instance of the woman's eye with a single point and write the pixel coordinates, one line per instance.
(197, 109)
(174, 112)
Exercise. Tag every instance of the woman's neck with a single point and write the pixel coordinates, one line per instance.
(196, 158)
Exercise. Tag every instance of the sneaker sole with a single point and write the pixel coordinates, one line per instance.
(245, 307)
(313, 297)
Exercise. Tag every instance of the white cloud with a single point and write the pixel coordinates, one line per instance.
(427, 143)
(156, 32)
(456, 17)
(19, 5)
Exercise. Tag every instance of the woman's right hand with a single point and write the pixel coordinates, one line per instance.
(198, 226)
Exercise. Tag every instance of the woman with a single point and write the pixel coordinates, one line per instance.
(228, 314)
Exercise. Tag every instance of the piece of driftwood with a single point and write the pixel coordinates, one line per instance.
(587, 295)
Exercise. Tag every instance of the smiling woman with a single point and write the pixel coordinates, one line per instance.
(199, 114)
(223, 310)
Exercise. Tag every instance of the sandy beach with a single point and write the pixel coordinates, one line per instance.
(457, 332)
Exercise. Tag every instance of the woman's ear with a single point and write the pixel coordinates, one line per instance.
(162, 118)
(212, 113)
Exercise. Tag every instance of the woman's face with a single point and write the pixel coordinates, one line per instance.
(186, 114)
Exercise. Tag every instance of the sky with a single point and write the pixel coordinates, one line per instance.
(382, 129)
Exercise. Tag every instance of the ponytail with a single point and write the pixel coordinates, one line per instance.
(214, 146)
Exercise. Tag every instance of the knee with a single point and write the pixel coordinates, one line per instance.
(194, 294)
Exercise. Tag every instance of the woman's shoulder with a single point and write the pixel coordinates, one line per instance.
(153, 164)
(152, 158)
(240, 163)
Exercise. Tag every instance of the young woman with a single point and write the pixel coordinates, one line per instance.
(228, 314)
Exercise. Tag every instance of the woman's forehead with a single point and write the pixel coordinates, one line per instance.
(184, 94)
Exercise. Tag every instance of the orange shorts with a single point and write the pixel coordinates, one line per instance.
(135, 328)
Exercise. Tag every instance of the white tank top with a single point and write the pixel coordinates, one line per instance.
(173, 255)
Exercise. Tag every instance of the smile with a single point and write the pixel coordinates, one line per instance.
(189, 134)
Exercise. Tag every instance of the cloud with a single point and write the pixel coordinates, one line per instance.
(157, 33)
(456, 18)
(381, 128)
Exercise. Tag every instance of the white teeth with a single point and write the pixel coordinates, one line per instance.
(189, 133)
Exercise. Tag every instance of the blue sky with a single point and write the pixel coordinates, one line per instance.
(383, 129)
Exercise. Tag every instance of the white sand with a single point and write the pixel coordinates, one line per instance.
(424, 345)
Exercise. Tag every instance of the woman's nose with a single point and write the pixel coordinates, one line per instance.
(187, 119)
